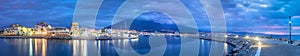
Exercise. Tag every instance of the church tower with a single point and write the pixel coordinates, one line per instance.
(75, 28)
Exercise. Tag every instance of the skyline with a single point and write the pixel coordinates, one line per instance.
(262, 16)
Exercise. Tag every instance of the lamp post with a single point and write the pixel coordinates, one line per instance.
(290, 24)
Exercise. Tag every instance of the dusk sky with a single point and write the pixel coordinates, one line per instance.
(259, 16)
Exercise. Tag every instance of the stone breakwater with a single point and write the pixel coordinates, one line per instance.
(242, 47)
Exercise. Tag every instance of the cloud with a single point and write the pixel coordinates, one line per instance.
(241, 15)
(28, 13)
(257, 15)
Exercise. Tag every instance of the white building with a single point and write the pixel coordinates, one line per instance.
(58, 32)
(75, 31)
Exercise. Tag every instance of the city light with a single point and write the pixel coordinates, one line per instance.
(225, 35)
(150, 28)
(236, 36)
(259, 43)
(246, 36)
(256, 38)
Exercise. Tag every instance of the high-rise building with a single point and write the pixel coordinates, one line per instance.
(75, 28)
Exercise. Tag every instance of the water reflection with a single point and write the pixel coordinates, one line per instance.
(79, 47)
(163, 45)
(36, 46)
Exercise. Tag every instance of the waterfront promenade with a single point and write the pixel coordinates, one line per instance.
(278, 48)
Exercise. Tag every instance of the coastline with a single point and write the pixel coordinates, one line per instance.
(242, 47)
(263, 46)
(64, 37)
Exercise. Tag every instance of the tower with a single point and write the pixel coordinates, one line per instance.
(74, 28)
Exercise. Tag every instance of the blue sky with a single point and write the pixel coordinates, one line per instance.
(260, 16)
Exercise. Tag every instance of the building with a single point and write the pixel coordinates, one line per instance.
(1, 32)
(58, 32)
(41, 28)
(18, 30)
(10, 32)
(75, 31)
(24, 31)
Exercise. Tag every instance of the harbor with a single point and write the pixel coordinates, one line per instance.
(150, 28)
(42, 30)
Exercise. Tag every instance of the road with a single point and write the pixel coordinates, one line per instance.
(278, 48)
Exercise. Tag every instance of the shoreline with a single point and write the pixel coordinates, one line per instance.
(241, 46)
(64, 38)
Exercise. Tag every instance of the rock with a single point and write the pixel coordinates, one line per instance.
(242, 53)
(283, 39)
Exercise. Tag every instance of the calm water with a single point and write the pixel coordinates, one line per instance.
(54, 47)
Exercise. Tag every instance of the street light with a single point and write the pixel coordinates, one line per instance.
(236, 36)
(246, 36)
(259, 43)
(225, 36)
(290, 24)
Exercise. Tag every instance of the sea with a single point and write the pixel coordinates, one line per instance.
(144, 45)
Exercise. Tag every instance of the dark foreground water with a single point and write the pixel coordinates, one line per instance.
(168, 46)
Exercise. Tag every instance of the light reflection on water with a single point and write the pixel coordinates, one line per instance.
(55, 47)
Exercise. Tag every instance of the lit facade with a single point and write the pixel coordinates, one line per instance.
(58, 32)
(41, 28)
(75, 31)
(17, 30)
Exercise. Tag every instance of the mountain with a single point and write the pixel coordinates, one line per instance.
(152, 21)
(149, 26)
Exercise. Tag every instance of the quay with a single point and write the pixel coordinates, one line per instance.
(69, 37)
(272, 47)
